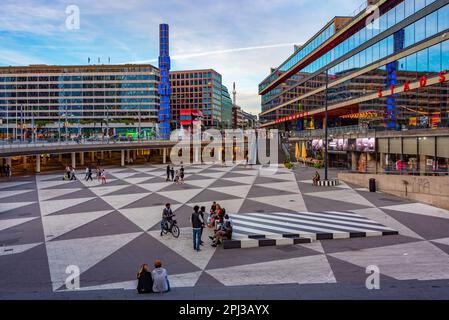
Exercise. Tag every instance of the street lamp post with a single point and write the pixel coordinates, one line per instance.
(326, 148)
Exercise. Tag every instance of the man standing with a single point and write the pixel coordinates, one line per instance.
(168, 173)
(202, 213)
(197, 224)
(172, 173)
(181, 173)
(167, 215)
(73, 174)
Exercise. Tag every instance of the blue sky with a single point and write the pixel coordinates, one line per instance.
(203, 34)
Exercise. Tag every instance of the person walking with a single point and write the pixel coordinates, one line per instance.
(89, 174)
(168, 173)
(197, 224)
(72, 174)
(68, 172)
(103, 177)
(86, 173)
(172, 173)
(8, 171)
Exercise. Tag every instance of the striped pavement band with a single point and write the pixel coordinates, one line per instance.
(313, 225)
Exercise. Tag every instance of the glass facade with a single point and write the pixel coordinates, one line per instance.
(388, 75)
(85, 99)
(199, 90)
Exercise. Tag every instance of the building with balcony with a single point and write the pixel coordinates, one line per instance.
(50, 102)
(384, 69)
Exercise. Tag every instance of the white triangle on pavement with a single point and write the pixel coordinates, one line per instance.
(52, 206)
(238, 191)
(346, 195)
(83, 253)
(283, 186)
(55, 226)
(101, 191)
(200, 183)
(155, 186)
(15, 205)
(121, 201)
(7, 194)
(293, 202)
(145, 218)
(182, 196)
(231, 206)
(243, 180)
(21, 248)
(9, 223)
(184, 246)
(54, 193)
(6, 185)
(50, 184)
(213, 175)
(136, 180)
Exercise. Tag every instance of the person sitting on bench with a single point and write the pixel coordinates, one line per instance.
(316, 178)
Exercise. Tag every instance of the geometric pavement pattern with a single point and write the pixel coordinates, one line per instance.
(108, 231)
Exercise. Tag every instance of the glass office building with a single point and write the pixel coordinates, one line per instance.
(47, 102)
(199, 90)
(384, 69)
(226, 108)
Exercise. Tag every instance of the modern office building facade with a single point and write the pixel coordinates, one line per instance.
(197, 90)
(50, 102)
(226, 108)
(384, 69)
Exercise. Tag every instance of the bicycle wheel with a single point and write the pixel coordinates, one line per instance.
(175, 231)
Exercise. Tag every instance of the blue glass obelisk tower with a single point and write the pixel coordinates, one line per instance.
(164, 84)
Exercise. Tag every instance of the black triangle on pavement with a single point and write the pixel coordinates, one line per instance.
(124, 264)
(110, 224)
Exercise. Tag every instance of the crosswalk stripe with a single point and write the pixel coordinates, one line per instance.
(332, 217)
(315, 219)
(286, 228)
(304, 223)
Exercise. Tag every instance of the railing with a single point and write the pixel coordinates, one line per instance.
(333, 131)
(17, 144)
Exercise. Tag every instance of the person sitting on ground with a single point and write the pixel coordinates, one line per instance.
(145, 280)
(160, 278)
(316, 178)
(225, 232)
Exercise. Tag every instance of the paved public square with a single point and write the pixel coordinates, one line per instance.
(108, 231)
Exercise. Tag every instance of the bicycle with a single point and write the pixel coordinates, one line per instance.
(173, 229)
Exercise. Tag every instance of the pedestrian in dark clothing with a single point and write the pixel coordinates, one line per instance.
(202, 213)
(197, 224)
(89, 174)
(168, 172)
(181, 173)
(2, 170)
(172, 173)
(145, 280)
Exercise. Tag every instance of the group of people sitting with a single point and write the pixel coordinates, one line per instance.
(220, 221)
(155, 281)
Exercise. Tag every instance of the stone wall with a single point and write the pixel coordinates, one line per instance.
(431, 190)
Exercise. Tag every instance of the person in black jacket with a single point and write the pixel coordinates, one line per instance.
(197, 225)
(145, 280)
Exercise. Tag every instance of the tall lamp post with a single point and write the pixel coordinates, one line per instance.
(326, 148)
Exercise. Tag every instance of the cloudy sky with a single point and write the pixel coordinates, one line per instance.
(241, 39)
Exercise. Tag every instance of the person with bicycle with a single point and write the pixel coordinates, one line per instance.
(167, 218)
